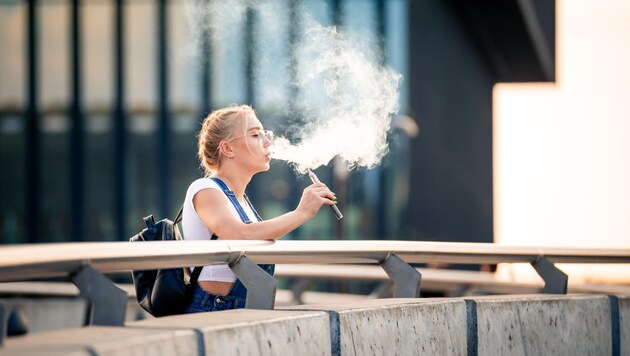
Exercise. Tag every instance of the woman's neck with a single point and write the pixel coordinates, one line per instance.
(237, 183)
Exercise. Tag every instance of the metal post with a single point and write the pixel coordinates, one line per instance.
(261, 286)
(294, 25)
(249, 46)
(250, 88)
(205, 44)
(383, 203)
(294, 117)
(108, 303)
(77, 148)
(5, 312)
(299, 287)
(13, 322)
(556, 281)
(339, 184)
(406, 278)
(33, 137)
(120, 131)
(382, 290)
(163, 136)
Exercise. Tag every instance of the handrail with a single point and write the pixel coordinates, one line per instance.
(85, 263)
(20, 262)
(432, 279)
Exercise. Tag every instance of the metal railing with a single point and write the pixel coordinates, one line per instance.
(449, 282)
(86, 263)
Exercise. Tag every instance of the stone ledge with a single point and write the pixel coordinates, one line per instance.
(542, 324)
(104, 340)
(428, 326)
(250, 332)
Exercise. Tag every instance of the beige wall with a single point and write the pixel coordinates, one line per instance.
(562, 150)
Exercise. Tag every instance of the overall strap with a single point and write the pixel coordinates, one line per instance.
(252, 207)
(230, 194)
(269, 268)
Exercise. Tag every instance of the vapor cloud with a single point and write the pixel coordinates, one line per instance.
(346, 97)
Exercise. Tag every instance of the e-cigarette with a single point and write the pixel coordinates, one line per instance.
(334, 208)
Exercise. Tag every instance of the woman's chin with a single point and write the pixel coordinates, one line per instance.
(264, 168)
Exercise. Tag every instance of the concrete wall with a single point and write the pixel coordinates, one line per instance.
(251, 332)
(397, 326)
(497, 325)
(102, 340)
(623, 324)
(47, 314)
(537, 325)
(491, 325)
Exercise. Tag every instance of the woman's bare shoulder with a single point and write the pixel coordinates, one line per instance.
(200, 184)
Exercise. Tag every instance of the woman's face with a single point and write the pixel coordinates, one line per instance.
(251, 149)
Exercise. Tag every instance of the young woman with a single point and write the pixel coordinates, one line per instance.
(233, 146)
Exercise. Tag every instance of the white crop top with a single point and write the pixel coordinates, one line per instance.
(195, 229)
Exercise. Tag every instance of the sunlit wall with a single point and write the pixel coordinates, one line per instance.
(562, 150)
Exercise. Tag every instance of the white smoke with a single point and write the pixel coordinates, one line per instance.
(346, 97)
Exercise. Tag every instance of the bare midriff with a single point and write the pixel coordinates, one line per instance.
(217, 288)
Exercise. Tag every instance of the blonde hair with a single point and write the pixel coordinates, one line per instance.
(217, 127)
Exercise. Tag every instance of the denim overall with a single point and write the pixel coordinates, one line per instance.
(206, 302)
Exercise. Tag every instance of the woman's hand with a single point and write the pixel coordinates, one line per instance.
(313, 197)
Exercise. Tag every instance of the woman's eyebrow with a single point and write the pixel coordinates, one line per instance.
(256, 128)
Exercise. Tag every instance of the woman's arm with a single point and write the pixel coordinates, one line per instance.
(214, 211)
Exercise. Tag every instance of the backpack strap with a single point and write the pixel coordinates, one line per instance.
(195, 274)
(197, 270)
(178, 218)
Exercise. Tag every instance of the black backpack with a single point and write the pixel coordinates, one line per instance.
(169, 291)
(164, 291)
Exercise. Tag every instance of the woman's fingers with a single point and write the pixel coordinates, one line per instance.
(323, 191)
(314, 196)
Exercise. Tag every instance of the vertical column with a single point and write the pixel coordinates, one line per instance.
(294, 26)
(249, 54)
(382, 203)
(206, 66)
(163, 142)
(120, 130)
(250, 95)
(337, 13)
(77, 147)
(339, 181)
(33, 137)
(294, 91)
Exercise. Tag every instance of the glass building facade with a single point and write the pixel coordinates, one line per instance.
(100, 101)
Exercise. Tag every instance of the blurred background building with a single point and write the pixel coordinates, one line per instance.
(100, 102)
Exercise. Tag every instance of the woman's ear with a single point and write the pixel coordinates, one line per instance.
(226, 150)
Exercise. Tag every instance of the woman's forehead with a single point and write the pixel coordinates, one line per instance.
(253, 123)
